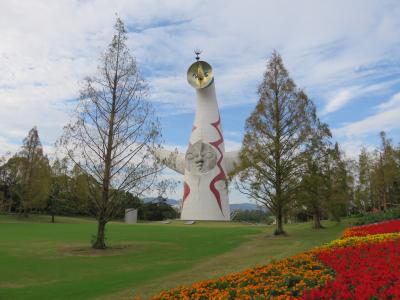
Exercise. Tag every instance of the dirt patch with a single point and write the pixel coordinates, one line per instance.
(27, 282)
(81, 250)
(9, 285)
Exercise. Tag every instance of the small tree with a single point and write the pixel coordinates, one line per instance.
(114, 133)
(273, 144)
(165, 186)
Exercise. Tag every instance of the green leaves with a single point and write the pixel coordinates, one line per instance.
(275, 140)
(26, 176)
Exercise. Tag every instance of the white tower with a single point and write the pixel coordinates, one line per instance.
(205, 164)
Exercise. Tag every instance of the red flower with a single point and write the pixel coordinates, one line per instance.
(368, 271)
(385, 227)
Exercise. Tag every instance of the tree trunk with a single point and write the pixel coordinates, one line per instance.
(317, 221)
(52, 218)
(26, 213)
(100, 239)
(384, 200)
(279, 224)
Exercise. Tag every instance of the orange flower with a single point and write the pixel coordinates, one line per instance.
(285, 279)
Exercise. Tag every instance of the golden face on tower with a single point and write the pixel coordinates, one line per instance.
(200, 74)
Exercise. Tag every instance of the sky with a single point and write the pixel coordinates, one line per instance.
(344, 54)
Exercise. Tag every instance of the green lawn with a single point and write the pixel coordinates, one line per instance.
(40, 260)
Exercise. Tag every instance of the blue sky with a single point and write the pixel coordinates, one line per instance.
(344, 54)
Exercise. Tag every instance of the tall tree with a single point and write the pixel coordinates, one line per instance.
(378, 178)
(33, 173)
(10, 184)
(364, 197)
(4, 205)
(385, 173)
(314, 188)
(115, 132)
(274, 141)
(340, 185)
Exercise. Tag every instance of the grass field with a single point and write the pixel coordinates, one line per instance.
(40, 260)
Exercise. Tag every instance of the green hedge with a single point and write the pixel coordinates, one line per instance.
(375, 217)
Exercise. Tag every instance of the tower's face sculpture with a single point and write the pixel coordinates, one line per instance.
(200, 158)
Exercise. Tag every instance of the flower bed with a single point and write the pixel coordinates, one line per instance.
(364, 271)
(363, 264)
(285, 279)
(384, 227)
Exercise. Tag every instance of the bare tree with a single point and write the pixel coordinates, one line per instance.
(114, 132)
(165, 186)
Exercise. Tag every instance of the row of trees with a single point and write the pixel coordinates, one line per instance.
(253, 216)
(330, 186)
(30, 183)
(290, 164)
(378, 174)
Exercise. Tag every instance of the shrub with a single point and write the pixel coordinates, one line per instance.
(378, 216)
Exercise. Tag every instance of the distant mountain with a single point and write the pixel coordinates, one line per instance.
(169, 201)
(246, 206)
(235, 206)
(172, 202)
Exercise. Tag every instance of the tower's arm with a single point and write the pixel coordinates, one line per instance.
(231, 159)
(172, 159)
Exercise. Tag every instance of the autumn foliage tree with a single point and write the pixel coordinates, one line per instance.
(274, 142)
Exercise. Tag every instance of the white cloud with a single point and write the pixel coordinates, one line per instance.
(7, 147)
(348, 94)
(338, 101)
(338, 50)
(393, 103)
(352, 147)
(180, 148)
(387, 118)
(232, 145)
